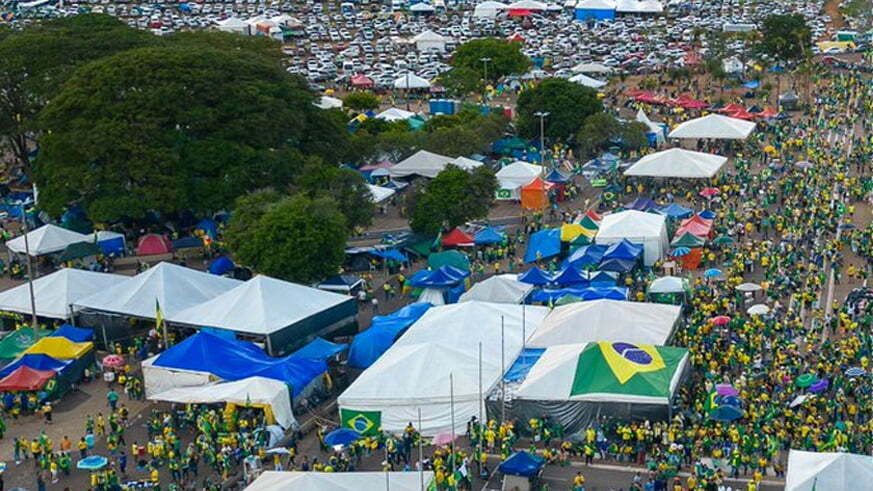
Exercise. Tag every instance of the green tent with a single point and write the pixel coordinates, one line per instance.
(688, 240)
(588, 223)
(452, 258)
(17, 341)
(580, 241)
(79, 250)
(422, 248)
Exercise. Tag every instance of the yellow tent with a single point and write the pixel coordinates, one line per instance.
(60, 348)
(570, 231)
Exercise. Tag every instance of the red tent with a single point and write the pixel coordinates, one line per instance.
(361, 80)
(457, 238)
(26, 378)
(742, 114)
(768, 113)
(519, 13)
(152, 244)
(593, 215)
(695, 225)
(731, 108)
(634, 92)
(516, 38)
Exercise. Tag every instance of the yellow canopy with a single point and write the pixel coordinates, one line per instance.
(60, 348)
(570, 231)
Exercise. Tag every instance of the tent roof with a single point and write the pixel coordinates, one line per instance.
(261, 305)
(714, 126)
(630, 224)
(607, 320)
(74, 334)
(379, 193)
(394, 114)
(668, 284)
(37, 362)
(320, 349)
(808, 471)
(59, 347)
(519, 173)
(522, 464)
(14, 343)
(46, 240)
(369, 345)
(581, 78)
(175, 287)
(429, 35)
(339, 481)
(54, 293)
(428, 164)
(411, 81)
(503, 288)
(595, 5)
(543, 244)
(527, 5)
(592, 68)
(489, 235)
(639, 6)
(421, 7)
(457, 237)
(26, 378)
(677, 162)
(624, 249)
(535, 276)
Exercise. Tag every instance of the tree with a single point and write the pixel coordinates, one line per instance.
(462, 81)
(596, 133)
(567, 103)
(295, 238)
(465, 133)
(177, 127)
(633, 135)
(361, 101)
(347, 188)
(785, 37)
(505, 58)
(452, 198)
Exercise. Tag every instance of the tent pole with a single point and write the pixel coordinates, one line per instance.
(502, 373)
(105, 342)
(420, 451)
(33, 320)
(72, 315)
(269, 345)
(481, 400)
(452, 402)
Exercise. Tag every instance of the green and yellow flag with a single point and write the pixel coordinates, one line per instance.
(364, 422)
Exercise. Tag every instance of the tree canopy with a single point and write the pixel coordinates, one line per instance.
(505, 58)
(361, 101)
(567, 103)
(452, 198)
(345, 186)
(785, 37)
(601, 129)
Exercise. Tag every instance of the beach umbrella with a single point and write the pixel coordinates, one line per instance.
(444, 438)
(726, 390)
(709, 192)
(341, 436)
(749, 287)
(855, 372)
(726, 414)
(712, 272)
(113, 361)
(820, 385)
(723, 240)
(720, 320)
(680, 251)
(92, 463)
(804, 380)
(759, 309)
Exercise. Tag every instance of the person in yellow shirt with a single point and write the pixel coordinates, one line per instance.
(155, 475)
(579, 482)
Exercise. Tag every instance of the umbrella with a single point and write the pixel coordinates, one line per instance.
(444, 438)
(708, 192)
(92, 463)
(680, 251)
(749, 287)
(726, 390)
(720, 320)
(113, 361)
(726, 414)
(759, 309)
(341, 436)
(804, 380)
(820, 385)
(855, 372)
(723, 240)
(712, 272)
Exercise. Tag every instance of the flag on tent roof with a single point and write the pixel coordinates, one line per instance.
(625, 368)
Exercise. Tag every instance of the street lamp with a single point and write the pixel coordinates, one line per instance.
(542, 115)
(485, 61)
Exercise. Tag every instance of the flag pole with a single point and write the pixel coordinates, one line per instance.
(420, 451)
(33, 321)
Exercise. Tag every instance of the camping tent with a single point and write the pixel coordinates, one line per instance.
(512, 177)
(340, 481)
(153, 244)
(809, 471)
(47, 239)
(488, 9)
(638, 227)
(502, 288)
(268, 394)
(55, 293)
(714, 126)
(428, 164)
(607, 320)
(429, 40)
(595, 10)
(286, 313)
(111, 243)
(379, 193)
(369, 345)
(677, 162)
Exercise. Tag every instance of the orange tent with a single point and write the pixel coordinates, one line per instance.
(535, 195)
(691, 260)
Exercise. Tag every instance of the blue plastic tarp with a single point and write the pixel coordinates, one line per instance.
(624, 249)
(454, 294)
(489, 235)
(221, 265)
(187, 243)
(236, 360)
(522, 365)
(112, 247)
(543, 244)
(590, 254)
(36, 362)
(208, 226)
(601, 278)
(641, 204)
(522, 464)
(445, 277)
(320, 349)
(588, 293)
(74, 334)
(535, 276)
(369, 345)
(674, 210)
(391, 254)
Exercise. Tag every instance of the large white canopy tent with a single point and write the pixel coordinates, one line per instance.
(637, 227)
(428, 164)
(502, 288)
(252, 391)
(811, 471)
(442, 345)
(54, 294)
(411, 81)
(488, 9)
(328, 102)
(380, 193)
(429, 40)
(516, 175)
(639, 7)
(592, 68)
(340, 481)
(581, 78)
(235, 25)
(394, 114)
(527, 5)
(607, 320)
(714, 126)
(47, 239)
(679, 163)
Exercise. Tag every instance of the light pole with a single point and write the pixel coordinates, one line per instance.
(33, 321)
(542, 115)
(485, 61)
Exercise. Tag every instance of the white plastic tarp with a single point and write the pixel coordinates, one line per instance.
(810, 471)
(678, 163)
(54, 294)
(638, 227)
(160, 379)
(328, 102)
(714, 126)
(592, 68)
(46, 240)
(607, 320)
(503, 288)
(252, 390)
(340, 481)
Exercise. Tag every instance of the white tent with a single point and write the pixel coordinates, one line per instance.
(581, 78)
(380, 193)
(328, 102)
(527, 5)
(639, 7)
(657, 129)
(174, 287)
(442, 345)
(55, 293)
(592, 68)
(428, 164)
(732, 65)
(422, 8)
(488, 9)
(465, 163)
(46, 240)
(394, 114)
(411, 81)
(607, 320)
(502, 288)
(810, 471)
(714, 126)
(340, 481)
(677, 162)
(668, 284)
(248, 391)
(234, 24)
(158, 379)
(517, 174)
(428, 40)
(648, 229)
(261, 306)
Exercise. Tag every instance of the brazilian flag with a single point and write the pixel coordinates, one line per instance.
(711, 403)
(364, 422)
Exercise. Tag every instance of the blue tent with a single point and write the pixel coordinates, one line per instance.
(611, 293)
(707, 214)
(187, 243)
(548, 296)
(113, 246)
(543, 244)
(591, 254)
(601, 278)
(522, 365)
(74, 334)
(489, 235)
(674, 210)
(369, 345)
(585, 15)
(319, 349)
(570, 276)
(444, 277)
(556, 177)
(623, 249)
(618, 265)
(236, 360)
(641, 204)
(208, 226)
(535, 276)
(36, 362)
(391, 254)
(522, 464)
(221, 265)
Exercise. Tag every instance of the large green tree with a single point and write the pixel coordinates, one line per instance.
(294, 238)
(361, 101)
(505, 58)
(785, 37)
(345, 186)
(452, 198)
(567, 103)
(179, 126)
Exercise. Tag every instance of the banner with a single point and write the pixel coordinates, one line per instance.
(364, 422)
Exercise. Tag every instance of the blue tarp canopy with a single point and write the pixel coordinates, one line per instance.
(556, 177)
(221, 265)
(208, 226)
(369, 345)
(36, 362)
(535, 276)
(624, 249)
(618, 265)
(187, 243)
(601, 278)
(641, 204)
(543, 244)
(570, 276)
(522, 464)
(522, 365)
(609, 292)
(489, 235)
(444, 277)
(74, 334)
(590, 254)
(236, 360)
(320, 349)
(674, 210)
(707, 214)
(589, 293)
(391, 254)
